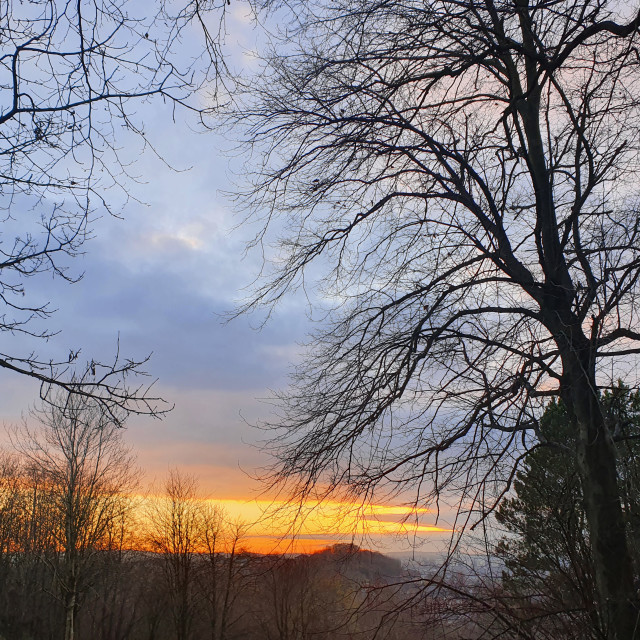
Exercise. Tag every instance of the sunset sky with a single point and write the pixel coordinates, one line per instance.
(161, 279)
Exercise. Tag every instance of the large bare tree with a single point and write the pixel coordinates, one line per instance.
(72, 77)
(460, 178)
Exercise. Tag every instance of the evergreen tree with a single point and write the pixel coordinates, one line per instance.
(549, 577)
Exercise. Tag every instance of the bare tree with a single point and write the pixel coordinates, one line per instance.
(12, 504)
(86, 474)
(13, 510)
(222, 577)
(70, 74)
(174, 532)
(461, 176)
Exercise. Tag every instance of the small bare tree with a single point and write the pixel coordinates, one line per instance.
(222, 575)
(198, 546)
(12, 504)
(85, 474)
(466, 173)
(174, 530)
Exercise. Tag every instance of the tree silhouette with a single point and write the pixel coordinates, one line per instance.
(86, 475)
(460, 178)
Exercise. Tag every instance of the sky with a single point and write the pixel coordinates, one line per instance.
(160, 280)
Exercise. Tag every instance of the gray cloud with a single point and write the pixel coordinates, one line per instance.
(161, 279)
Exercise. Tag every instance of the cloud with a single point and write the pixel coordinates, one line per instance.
(160, 281)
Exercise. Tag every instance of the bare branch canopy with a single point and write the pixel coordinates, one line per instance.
(70, 75)
(464, 177)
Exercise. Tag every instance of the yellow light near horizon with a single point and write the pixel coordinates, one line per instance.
(278, 526)
(278, 519)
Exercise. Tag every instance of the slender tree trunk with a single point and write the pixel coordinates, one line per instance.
(597, 463)
(213, 573)
(70, 616)
(228, 587)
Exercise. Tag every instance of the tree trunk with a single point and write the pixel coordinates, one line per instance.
(70, 616)
(597, 463)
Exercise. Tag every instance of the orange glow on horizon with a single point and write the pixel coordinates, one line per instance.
(281, 527)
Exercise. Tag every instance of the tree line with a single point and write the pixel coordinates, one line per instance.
(82, 555)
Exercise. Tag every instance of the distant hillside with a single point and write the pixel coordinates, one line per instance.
(358, 564)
